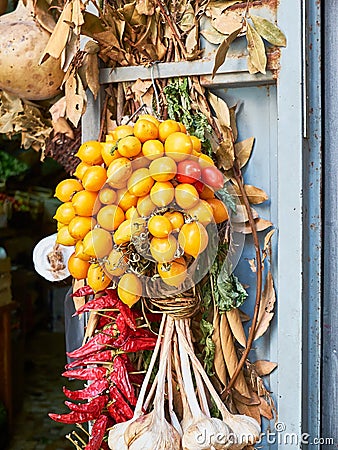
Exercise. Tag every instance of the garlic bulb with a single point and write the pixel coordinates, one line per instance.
(150, 432)
(245, 430)
(204, 433)
(116, 436)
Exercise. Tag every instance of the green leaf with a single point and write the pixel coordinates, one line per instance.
(269, 31)
(223, 50)
(232, 293)
(228, 199)
(256, 49)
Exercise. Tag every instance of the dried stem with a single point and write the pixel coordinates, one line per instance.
(103, 117)
(172, 27)
(240, 183)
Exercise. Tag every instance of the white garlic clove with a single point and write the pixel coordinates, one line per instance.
(116, 436)
(148, 432)
(207, 434)
(246, 431)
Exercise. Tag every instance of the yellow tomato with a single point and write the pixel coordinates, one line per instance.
(186, 195)
(110, 217)
(65, 213)
(129, 146)
(94, 178)
(178, 146)
(159, 226)
(145, 206)
(202, 212)
(162, 193)
(176, 218)
(97, 243)
(116, 264)
(97, 279)
(193, 238)
(163, 249)
(173, 273)
(118, 172)
(129, 289)
(80, 226)
(163, 169)
(140, 182)
(78, 268)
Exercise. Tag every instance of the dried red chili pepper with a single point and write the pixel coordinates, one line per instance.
(91, 373)
(119, 408)
(96, 343)
(83, 291)
(104, 445)
(93, 406)
(94, 389)
(104, 356)
(131, 345)
(97, 433)
(73, 417)
(104, 302)
(120, 377)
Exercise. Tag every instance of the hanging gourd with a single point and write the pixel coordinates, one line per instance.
(22, 41)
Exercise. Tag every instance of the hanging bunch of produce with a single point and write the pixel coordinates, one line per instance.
(151, 220)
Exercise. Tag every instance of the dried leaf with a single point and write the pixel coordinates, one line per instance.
(43, 15)
(219, 362)
(188, 19)
(75, 99)
(145, 7)
(228, 22)
(92, 25)
(261, 225)
(59, 37)
(267, 244)
(216, 7)
(269, 31)
(233, 124)
(252, 411)
(223, 50)
(266, 313)
(192, 41)
(244, 317)
(63, 127)
(225, 154)
(249, 401)
(256, 48)
(77, 16)
(265, 409)
(93, 73)
(255, 194)
(58, 109)
(236, 326)
(213, 36)
(243, 151)
(264, 368)
(252, 264)
(230, 356)
(221, 109)
(242, 215)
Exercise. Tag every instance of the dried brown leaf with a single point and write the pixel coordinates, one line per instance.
(221, 110)
(228, 22)
(225, 154)
(75, 99)
(252, 411)
(242, 215)
(261, 225)
(255, 194)
(236, 326)
(265, 409)
(244, 317)
(267, 240)
(63, 127)
(230, 356)
(43, 15)
(216, 7)
(93, 73)
(269, 31)
(233, 123)
(58, 109)
(243, 151)
(192, 41)
(213, 36)
(264, 368)
(146, 7)
(249, 401)
(188, 19)
(219, 362)
(222, 50)
(266, 313)
(92, 25)
(77, 16)
(59, 37)
(252, 264)
(256, 49)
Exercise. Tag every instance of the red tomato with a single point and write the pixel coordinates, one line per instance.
(188, 171)
(213, 177)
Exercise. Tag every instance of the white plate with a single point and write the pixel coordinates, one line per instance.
(41, 263)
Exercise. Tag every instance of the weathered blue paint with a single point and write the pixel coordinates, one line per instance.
(330, 220)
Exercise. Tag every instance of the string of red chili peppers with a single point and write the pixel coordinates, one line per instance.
(111, 396)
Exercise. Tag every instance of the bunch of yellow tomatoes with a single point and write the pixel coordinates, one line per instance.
(150, 179)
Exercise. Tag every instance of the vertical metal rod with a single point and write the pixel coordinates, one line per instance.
(330, 259)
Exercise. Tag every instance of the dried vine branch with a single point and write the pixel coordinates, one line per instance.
(259, 278)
